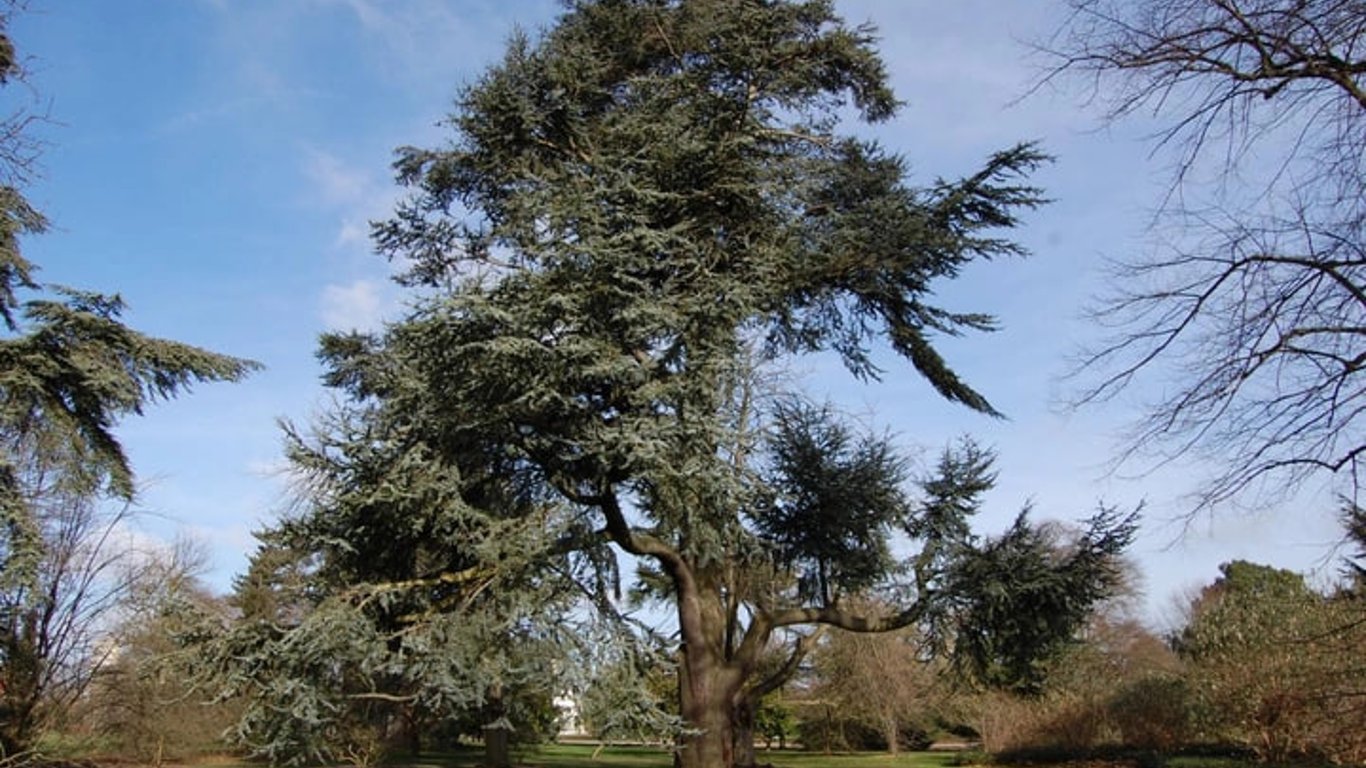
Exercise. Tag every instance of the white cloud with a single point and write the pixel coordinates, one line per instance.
(335, 182)
(357, 306)
(137, 544)
(424, 41)
(370, 16)
(229, 548)
(352, 233)
(228, 109)
(356, 195)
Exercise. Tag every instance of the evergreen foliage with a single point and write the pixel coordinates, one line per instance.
(1025, 594)
(413, 589)
(838, 500)
(394, 600)
(1354, 565)
(631, 694)
(69, 371)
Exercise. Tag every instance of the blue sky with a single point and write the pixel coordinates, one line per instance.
(216, 162)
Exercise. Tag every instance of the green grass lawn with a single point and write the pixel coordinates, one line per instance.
(580, 756)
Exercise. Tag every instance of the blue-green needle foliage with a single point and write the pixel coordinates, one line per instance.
(631, 199)
(629, 204)
(838, 499)
(414, 585)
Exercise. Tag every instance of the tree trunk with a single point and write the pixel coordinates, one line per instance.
(742, 733)
(496, 731)
(706, 689)
(20, 689)
(892, 733)
(16, 726)
(496, 746)
(412, 731)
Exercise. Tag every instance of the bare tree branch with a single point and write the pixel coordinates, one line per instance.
(1249, 315)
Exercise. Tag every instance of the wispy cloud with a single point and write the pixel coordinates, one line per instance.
(223, 110)
(333, 180)
(362, 299)
(352, 232)
(359, 305)
(434, 37)
(355, 195)
(138, 544)
(229, 548)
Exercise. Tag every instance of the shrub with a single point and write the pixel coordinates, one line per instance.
(1152, 713)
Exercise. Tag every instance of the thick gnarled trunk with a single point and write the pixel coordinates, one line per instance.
(718, 656)
(707, 687)
(708, 743)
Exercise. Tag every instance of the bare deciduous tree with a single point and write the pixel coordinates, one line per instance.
(52, 618)
(142, 699)
(882, 681)
(1253, 302)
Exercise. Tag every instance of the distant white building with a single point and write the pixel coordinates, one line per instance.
(570, 721)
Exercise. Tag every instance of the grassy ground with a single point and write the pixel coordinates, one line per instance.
(580, 756)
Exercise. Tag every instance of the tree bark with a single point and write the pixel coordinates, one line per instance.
(707, 687)
(742, 733)
(412, 731)
(707, 682)
(19, 692)
(712, 668)
(496, 746)
(496, 731)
